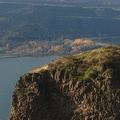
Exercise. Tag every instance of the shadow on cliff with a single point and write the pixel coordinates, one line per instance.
(49, 102)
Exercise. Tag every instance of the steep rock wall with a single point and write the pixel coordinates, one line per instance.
(85, 86)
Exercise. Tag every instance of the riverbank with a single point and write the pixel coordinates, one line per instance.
(48, 48)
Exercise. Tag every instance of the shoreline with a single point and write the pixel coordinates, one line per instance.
(12, 56)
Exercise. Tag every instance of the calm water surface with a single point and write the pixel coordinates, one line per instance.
(10, 71)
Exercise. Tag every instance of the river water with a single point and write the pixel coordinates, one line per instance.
(10, 71)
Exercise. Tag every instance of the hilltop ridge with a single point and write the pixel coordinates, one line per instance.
(84, 86)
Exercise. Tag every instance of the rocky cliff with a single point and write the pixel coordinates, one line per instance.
(85, 86)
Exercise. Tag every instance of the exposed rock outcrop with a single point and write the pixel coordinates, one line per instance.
(85, 86)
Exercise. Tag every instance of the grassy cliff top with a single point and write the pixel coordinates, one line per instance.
(100, 64)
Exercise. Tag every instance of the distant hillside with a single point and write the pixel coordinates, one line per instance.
(82, 1)
(84, 86)
(23, 22)
(44, 48)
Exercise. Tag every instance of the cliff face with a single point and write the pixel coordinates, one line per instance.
(85, 86)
